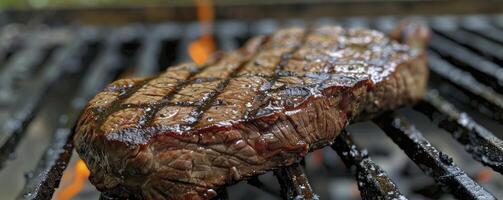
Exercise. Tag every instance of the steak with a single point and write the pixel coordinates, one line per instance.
(195, 128)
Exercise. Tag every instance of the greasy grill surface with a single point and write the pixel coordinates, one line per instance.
(194, 128)
(372, 180)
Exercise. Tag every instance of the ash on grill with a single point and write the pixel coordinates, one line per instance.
(446, 146)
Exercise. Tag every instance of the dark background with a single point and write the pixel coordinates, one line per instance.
(127, 11)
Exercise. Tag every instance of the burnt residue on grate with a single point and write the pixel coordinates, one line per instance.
(481, 96)
(294, 183)
(480, 142)
(433, 162)
(372, 180)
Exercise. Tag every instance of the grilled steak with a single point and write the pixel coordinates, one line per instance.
(194, 128)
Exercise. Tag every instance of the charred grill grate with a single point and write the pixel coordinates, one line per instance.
(35, 62)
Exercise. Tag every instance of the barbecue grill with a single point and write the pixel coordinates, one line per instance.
(48, 73)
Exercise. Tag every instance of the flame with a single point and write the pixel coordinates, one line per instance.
(201, 49)
(77, 177)
(484, 175)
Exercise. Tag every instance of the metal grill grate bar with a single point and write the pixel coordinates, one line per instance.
(480, 142)
(372, 180)
(24, 64)
(50, 168)
(492, 34)
(148, 63)
(477, 65)
(262, 27)
(482, 96)
(228, 33)
(10, 42)
(475, 42)
(294, 183)
(433, 162)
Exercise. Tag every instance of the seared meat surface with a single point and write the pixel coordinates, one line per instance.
(194, 128)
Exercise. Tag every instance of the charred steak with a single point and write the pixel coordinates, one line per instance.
(194, 128)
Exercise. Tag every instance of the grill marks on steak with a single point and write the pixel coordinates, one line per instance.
(199, 98)
(194, 128)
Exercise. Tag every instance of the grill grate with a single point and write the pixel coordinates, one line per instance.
(377, 185)
(433, 162)
(294, 183)
(480, 142)
(464, 61)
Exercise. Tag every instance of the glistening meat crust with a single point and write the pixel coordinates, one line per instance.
(194, 128)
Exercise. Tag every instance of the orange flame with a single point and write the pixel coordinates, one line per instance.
(484, 175)
(201, 49)
(77, 177)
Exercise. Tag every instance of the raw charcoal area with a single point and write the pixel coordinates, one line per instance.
(195, 128)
